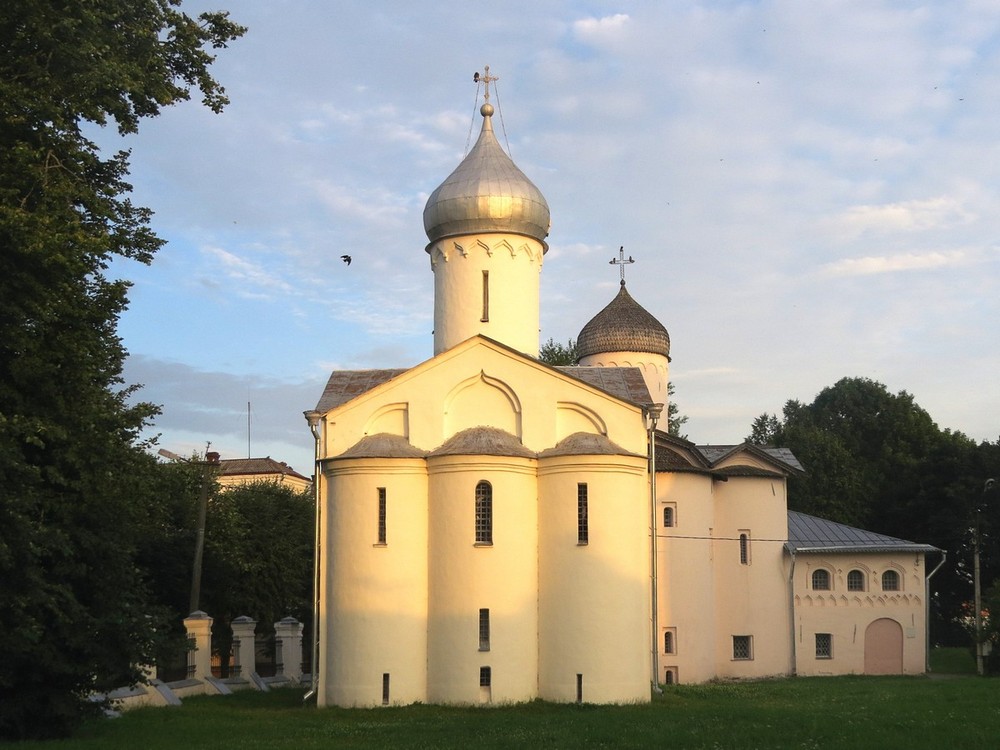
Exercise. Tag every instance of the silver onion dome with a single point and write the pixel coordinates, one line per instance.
(486, 193)
(623, 326)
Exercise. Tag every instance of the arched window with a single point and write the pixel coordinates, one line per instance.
(668, 642)
(855, 581)
(821, 580)
(890, 581)
(668, 517)
(484, 513)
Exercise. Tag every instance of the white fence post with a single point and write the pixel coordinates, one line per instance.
(244, 648)
(199, 631)
(288, 648)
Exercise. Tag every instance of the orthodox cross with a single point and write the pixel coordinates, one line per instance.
(487, 79)
(621, 262)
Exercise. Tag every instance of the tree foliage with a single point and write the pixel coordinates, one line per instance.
(877, 460)
(75, 481)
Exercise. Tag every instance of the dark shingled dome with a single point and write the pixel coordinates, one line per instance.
(486, 193)
(623, 326)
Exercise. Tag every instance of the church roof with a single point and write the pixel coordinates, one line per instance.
(623, 326)
(811, 534)
(486, 193)
(482, 441)
(344, 385)
(586, 444)
(250, 466)
(382, 445)
(625, 383)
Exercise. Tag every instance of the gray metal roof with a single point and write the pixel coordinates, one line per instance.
(623, 326)
(811, 534)
(486, 193)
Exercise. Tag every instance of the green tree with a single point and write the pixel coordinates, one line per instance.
(258, 557)
(877, 460)
(675, 420)
(75, 613)
(556, 354)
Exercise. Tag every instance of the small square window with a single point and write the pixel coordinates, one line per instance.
(824, 646)
(742, 647)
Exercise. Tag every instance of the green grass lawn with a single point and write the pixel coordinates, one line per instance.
(823, 712)
(952, 661)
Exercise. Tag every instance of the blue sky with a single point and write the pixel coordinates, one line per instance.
(809, 190)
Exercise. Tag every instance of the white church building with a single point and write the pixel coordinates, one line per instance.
(494, 529)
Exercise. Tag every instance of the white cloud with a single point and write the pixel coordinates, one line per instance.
(893, 263)
(242, 271)
(598, 30)
(907, 216)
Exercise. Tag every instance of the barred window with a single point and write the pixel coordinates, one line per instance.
(484, 513)
(582, 522)
(744, 549)
(821, 579)
(668, 517)
(742, 647)
(668, 642)
(824, 646)
(381, 515)
(485, 677)
(484, 630)
(385, 688)
(890, 581)
(855, 581)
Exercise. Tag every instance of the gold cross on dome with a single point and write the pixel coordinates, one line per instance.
(621, 262)
(486, 79)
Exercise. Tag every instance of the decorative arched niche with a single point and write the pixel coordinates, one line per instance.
(393, 419)
(572, 417)
(482, 400)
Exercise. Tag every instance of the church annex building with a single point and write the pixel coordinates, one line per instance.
(494, 529)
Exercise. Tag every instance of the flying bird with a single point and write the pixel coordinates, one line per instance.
(346, 259)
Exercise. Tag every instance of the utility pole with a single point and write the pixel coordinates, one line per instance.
(210, 463)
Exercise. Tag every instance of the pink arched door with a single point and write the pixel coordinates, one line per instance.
(884, 647)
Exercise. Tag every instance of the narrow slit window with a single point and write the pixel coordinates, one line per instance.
(381, 515)
(484, 513)
(385, 688)
(744, 549)
(582, 511)
(486, 297)
(484, 630)
(668, 642)
(579, 688)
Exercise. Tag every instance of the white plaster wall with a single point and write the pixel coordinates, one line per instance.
(464, 577)
(594, 599)
(847, 614)
(752, 599)
(514, 263)
(374, 597)
(535, 388)
(687, 598)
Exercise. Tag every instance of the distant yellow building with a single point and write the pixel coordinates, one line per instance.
(236, 471)
(494, 529)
